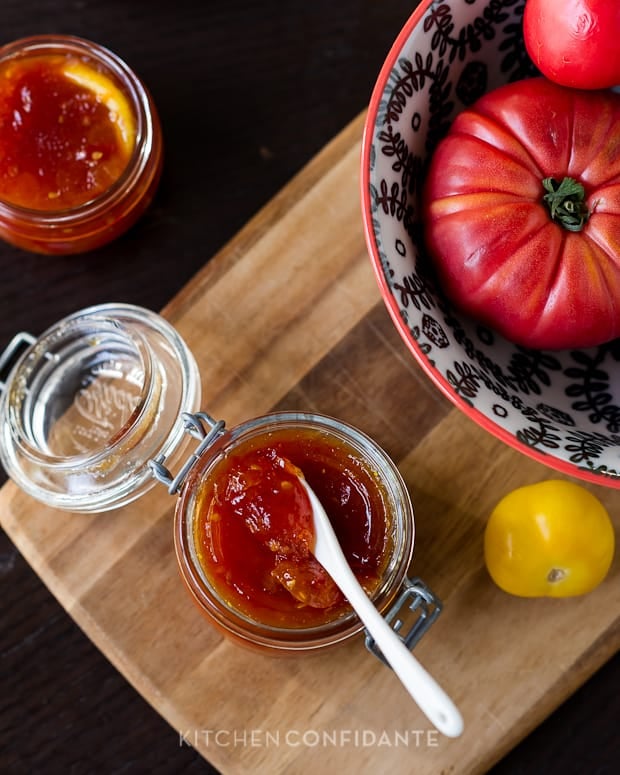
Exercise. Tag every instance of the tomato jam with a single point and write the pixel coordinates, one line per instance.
(254, 533)
(80, 145)
(66, 132)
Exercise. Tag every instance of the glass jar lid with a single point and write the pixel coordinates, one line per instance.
(91, 401)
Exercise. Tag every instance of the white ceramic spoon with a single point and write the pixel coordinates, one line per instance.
(425, 691)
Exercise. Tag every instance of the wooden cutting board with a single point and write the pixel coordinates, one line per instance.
(288, 316)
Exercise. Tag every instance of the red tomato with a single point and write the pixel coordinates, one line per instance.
(574, 42)
(500, 254)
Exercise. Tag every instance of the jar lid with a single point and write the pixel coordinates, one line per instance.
(91, 401)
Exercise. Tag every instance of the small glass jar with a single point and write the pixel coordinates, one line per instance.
(96, 222)
(89, 403)
(266, 430)
(104, 404)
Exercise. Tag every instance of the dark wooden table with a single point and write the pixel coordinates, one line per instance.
(248, 91)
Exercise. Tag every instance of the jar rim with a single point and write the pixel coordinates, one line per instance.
(93, 325)
(289, 639)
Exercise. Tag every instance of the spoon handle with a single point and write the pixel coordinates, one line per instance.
(422, 687)
(425, 691)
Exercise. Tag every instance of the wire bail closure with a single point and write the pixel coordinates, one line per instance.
(18, 344)
(419, 599)
(199, 425)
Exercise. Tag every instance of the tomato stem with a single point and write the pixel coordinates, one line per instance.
(566, 203)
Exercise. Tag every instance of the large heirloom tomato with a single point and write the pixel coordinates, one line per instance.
(522, 213)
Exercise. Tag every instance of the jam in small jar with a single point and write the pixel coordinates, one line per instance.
(80, 145)
(238, 523)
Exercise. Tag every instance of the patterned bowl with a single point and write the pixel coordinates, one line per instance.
(560, 407)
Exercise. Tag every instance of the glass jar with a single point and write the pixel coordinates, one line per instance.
(393, 593)
(108, 214)
(103, 405)
(89, 403)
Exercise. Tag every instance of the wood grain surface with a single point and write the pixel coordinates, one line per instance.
(248, 92)
(313, 334)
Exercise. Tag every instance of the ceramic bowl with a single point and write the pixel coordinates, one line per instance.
(560, 407)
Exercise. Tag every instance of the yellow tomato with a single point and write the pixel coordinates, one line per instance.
(553, 538)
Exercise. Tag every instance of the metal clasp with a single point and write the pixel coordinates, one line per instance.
(199, 425)
(418, 599)
(11, 353)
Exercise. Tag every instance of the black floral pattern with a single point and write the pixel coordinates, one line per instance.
(560, 406)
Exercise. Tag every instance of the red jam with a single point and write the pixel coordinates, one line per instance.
(254, 529)
(66, 132)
